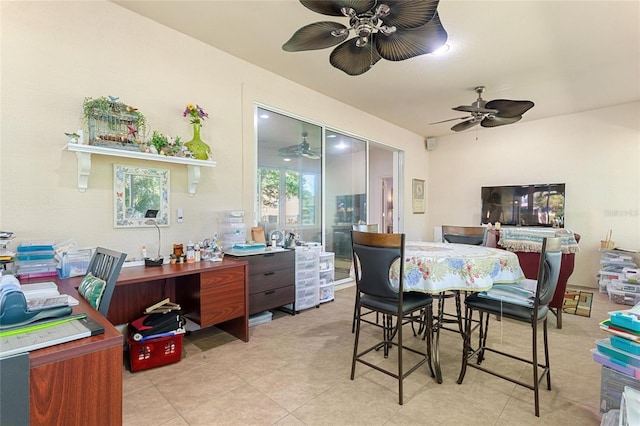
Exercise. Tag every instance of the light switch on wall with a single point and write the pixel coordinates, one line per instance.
(180, 217)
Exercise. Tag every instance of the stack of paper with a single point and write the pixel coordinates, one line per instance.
(45, 295)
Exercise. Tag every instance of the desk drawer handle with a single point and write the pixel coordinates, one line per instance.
(269, 273)
(269, 292)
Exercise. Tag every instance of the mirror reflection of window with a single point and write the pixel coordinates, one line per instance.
(138, 189)
(142, 193)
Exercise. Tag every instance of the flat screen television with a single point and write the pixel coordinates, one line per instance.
(524, 205)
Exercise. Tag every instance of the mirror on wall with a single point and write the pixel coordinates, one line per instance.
(136, 190)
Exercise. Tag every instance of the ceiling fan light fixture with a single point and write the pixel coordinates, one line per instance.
(411, 28)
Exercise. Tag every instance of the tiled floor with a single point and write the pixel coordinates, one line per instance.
(295, 371)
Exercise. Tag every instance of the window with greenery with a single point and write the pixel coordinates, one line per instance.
(289, 193)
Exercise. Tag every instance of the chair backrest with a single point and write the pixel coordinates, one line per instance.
(374, 254)
(106, 264)
(548, 270)
(370, 227)
(473, 235)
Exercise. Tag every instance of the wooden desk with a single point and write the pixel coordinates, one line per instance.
(78, 382)
(210, 293)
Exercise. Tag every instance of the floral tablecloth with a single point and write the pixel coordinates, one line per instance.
(437, 267)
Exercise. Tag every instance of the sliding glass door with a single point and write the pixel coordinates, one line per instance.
(316, 183)
(289, 191)
(345, 194)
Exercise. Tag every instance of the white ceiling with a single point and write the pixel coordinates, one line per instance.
(566, 56)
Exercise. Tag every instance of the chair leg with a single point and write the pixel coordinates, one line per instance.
(355, 343)
(399, 322)
(536, 386)
(355, 313)
(459, 311)
(484, 332)
(546, 353)
(466, 345)
(428, 331)
(559, 317)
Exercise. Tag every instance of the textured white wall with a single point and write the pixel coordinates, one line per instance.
(54, 54)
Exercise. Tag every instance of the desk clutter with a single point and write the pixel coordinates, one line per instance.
(34, 316)
(619, 355)
(155, 339)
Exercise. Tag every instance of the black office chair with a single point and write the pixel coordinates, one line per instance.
(530, 310)
(374, 256)
(102, 273)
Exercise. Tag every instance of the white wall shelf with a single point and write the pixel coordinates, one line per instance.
(83, 152)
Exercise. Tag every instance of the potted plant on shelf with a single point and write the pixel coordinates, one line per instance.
(165, 145)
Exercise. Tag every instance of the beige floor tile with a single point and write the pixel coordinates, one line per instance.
(295, 370)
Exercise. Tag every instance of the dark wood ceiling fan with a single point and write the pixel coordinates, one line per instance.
(497, 112)
(394, 30)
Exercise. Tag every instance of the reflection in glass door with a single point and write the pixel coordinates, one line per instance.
(345, 195)
(289, 186)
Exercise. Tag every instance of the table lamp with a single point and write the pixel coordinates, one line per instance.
(151, 220)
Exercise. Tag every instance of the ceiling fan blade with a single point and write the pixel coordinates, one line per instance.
(352, 59)
(332, 7)
(310, 155)
(315, 36)
(508, 108)
(465, 125)
(410, 13)
(499, 121)
(452, 119)
(475, 110)
(407, 43)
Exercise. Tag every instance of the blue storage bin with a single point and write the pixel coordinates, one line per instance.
(625, 319)
(605, 347)
(625, 345)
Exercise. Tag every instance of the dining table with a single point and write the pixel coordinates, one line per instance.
(436, 268)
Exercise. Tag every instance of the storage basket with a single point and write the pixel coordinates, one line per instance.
(607, 244)
(154, 352)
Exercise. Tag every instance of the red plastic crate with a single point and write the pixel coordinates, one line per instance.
(155, 352)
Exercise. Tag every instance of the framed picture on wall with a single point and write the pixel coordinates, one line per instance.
(417, 197)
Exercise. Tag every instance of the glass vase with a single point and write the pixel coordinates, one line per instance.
(199, 149)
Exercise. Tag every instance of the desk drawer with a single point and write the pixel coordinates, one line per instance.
(269, 280)
(221, 303)
(267, 262)
(212, 279)
(270, 299)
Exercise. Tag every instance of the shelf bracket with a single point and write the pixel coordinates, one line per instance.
(84, 170)
(193, 178)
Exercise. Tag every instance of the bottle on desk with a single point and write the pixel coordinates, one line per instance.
(191, 253)
(197, 253)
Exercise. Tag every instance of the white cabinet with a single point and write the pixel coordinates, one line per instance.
(307, 276)
(326, 276)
